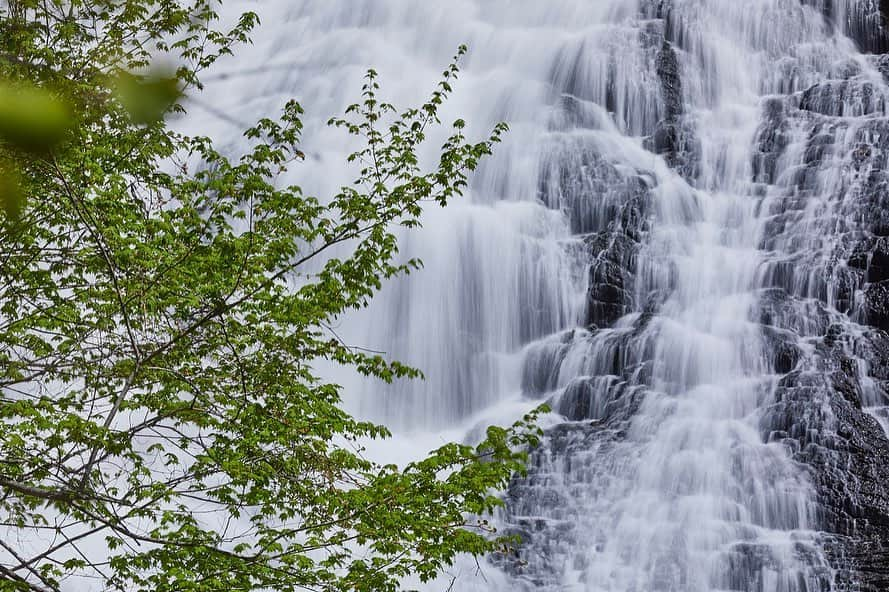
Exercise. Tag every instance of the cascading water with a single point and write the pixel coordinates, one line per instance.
(672, 247)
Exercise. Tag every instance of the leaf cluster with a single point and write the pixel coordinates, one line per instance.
(162, 305)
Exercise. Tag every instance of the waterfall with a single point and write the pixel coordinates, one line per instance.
(674, 247)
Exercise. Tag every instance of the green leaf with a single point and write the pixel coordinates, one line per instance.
(12, 197)
(31, 118)
(147, 98)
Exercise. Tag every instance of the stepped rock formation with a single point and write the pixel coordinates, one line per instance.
(682, 246)
(818, 171)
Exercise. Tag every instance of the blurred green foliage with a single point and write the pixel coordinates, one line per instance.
(31, 118)
(34, 121)
(147, 97)
(12, 197)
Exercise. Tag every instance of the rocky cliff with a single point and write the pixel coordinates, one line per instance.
(819, 175)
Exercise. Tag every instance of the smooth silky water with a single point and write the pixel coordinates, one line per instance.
(666, 482)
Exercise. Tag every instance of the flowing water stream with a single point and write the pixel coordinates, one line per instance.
(652, 250)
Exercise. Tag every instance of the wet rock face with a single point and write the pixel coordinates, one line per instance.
(577, 178)
(871, 256)
(844, 98)
(610, 206)
(610, 294)
(674, 136)
(772, 139)
(606, 206)
(831, 278)
(822, 310)
(876, 304)
(569, 452)
(841, 163)
(671, 81)
(819, 415)
(865, 21)
(867, 25)
(783, 351)
(872, 348)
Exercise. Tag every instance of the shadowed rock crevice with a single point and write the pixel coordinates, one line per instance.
(674, 137)
(864, 21)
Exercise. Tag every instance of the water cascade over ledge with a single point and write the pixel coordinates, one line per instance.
(682, 246)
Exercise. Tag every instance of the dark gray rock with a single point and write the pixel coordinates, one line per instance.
(674, 136)
(865, 22)
(569, 452)
(578, 179)
(668, 72)
(745, 564)
(819, 410)
(771, 141)
(873, 348)
(543, 360)
(881, 63)
(819, 414)
(610, 294)
(804, 318)
(782, 349)
(867, 25)
(871, 256)
(876, 305)
(844, 98)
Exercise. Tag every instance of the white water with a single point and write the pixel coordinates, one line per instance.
(685, 495)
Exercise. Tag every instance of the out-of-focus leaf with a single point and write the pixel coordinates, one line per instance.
(31, 118)
(12, 198)
(146, 98)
